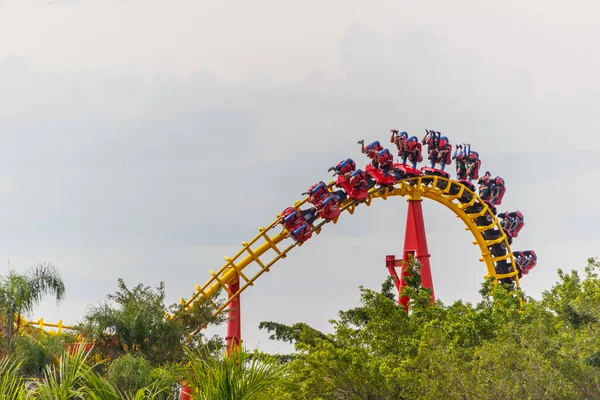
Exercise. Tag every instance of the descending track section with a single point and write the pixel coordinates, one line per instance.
(273, 242)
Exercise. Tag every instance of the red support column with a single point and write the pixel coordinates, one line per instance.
(185, 394)
(415, 245)
(234, 322)
(391, 263)
(415, 242)
(234, 329)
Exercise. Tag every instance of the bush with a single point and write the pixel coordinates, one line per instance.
(35, 353)
(164, 377)
(129, 373)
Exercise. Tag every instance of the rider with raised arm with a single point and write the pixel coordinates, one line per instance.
(316, 192)
(460, 159)
(431, 139)
(443, 152)
(344, 168)
(371, 151)
(473, 163)
(485, 187)
(358, 179)
(399, 139)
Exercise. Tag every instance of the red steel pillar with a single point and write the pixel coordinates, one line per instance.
(234, 329)
(415, 242)
(234, 318)
(391, 263)
(185, 394)
(415, 245)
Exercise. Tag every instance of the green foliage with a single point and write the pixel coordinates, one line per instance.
(133, 376)
(74, 377)
(498, 348)
(20, 293)
(129, 373)
(133, 321)
(12, 385)
(239, 376)
(35, 354)
(67, 381)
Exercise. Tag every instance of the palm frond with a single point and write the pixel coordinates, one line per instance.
(239, 376)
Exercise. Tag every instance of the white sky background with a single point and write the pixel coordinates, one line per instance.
(148, 139)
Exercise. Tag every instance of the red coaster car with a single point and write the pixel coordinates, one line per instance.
(290, 217)
(406, 171)
(498, 190)
(435, 171)
(329, 207)
(468, 184)
(316, 191)
(525, 260)
(326, 204)
(352, 180)
(355, 186)
(294, 223)
(380, 177)
(301, 232)
(512, 222)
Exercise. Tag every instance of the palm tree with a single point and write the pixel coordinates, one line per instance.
(20, 293)
(238, 376)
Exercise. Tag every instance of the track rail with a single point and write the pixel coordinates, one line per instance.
(42, 325)
(265, 249)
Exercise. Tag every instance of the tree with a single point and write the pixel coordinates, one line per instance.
(498, 348)
(20, 293)
(134, 321)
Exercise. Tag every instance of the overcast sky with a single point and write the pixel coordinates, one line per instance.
(147, 139)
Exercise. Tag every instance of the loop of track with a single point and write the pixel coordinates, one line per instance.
(460, 199)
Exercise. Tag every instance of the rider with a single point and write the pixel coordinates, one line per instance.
(316, 192)
(413, 150)
(385, 159)
(399, 139)
(498, 189)
(358, 179)
(473, 163)
(444, 152)
(431, 139)
(294, 223)
(301, 232)
(512, 222)
(438, 148)
(485, 187)
(290, 217)
(344, 168)
(371, 151)
(460, 158)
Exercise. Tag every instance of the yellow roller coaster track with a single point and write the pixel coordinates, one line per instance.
(452, 194)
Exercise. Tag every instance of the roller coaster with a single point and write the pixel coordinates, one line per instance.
(381, 179)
